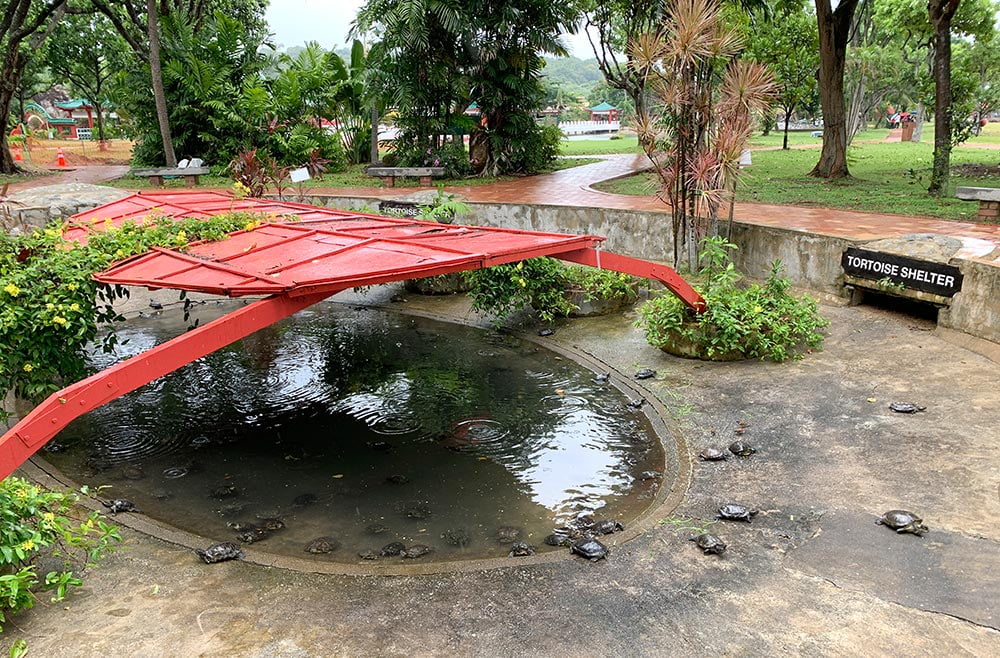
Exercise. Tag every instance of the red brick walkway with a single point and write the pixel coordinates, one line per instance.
(76, 174)
(572, 187)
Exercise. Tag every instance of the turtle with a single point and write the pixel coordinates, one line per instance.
(508, 534)
(225, 491)
(415, 551)
(636, 404)
(457, 537)
(902, 521)
(521, 549)
(645, 373)
(271, 524)
(602, 378)
(741, 449)
(322, 545)
(546, 332)
(607, 527)
(220, 552)
(709, 544)
(304, 500)
(252, 534)
(651, 475)
(734, 512)
(584, 520)
(120, 505)
(376, 529)
(241, 526)
(589, 548)
(558, 539)
(397, 479)
(712, 455)
(906, 407)
(393, 549)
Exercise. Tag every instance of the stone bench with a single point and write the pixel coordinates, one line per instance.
(989, 202)
(156, 176)
(390, 174)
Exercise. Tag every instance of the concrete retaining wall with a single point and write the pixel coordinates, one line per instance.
(975, 310)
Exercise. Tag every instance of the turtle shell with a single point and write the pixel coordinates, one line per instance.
(252, 534)
(590, 548)
(521, 549)
(221, 552)
(709, 543)
(120, 505)
(393, 549)
(415, 551)
(645, 373)
(741, 449)
(903, 521)
(712, 455)
(607, 527)
(735, 512)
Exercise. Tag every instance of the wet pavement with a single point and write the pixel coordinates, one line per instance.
(811, 574)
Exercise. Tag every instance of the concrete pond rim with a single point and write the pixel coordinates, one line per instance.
(667, 499)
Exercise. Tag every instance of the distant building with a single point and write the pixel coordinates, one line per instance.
(603, 113)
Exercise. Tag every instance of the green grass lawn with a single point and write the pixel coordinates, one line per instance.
(624, 145)
(889, 177)
(354, 176)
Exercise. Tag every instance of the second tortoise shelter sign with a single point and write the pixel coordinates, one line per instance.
(926, 276)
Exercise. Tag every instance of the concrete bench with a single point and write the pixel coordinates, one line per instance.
(390, 174)
(988, 198)
(156, 176)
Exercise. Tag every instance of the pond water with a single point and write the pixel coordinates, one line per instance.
(368, 427)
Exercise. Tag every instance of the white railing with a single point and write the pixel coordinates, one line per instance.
(587, 127)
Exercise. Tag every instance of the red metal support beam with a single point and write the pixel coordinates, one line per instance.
(62, 407)
(662, 273)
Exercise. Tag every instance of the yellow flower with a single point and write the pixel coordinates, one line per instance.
(249, 226)
(20, 493)
(50, 306)
(59, 320)
(27, 545)
(119, 254)
(757, 309)
(74, 307)
(12, 290)
(48, 516)
(72, 286)
(28, 367)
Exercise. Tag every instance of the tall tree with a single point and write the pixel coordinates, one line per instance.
(834, 32)
(941, 13)
(156, 76)
(24, 26)
(85, 52)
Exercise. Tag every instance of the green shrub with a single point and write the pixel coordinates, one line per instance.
(452, 155)
(541, 283)
(757, 321)
(33, 521)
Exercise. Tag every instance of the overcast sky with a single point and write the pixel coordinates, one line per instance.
(294, 22)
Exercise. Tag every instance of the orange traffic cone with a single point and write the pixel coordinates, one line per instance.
(17, 154)
(60, 158)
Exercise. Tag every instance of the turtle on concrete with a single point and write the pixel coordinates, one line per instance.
(734, 512)
(709, 544)
(902, 521)
(645, 373)
(415, 551)
(589, 548)
(712, 455)
(521, 549)
(906, 407)
(220, 552)
(393, 549)
(607, 527)
(741, 449)
(120, 505)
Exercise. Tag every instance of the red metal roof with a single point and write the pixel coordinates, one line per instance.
(324, 250)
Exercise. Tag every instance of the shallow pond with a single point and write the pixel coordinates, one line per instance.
(368, 427)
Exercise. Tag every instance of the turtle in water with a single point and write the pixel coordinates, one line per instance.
(902, 521)
(376, 529)
(415, 551)
(712, 455)
(272, 524)
(741, 449)
(322, 545)
(252, 534)
(906, 407)
(508, 534)
(734, 512)
(393, 549)
(457, 537)
(120, 505)
(220, 552)
(521, 549)
(709, 544)
(304, 500)
(589, 548)
(645, 373)
(397, 479)
(607, 527)
(225, 491)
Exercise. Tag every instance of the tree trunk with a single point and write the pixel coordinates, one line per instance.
(13, 67)
(159, 96)
(374, 140)
(941, 12)
(788, 119)
(834, 30)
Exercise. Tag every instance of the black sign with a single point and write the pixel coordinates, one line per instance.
(911, 273)
(399, 208)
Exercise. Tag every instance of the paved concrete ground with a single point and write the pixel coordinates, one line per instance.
(811, 575)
